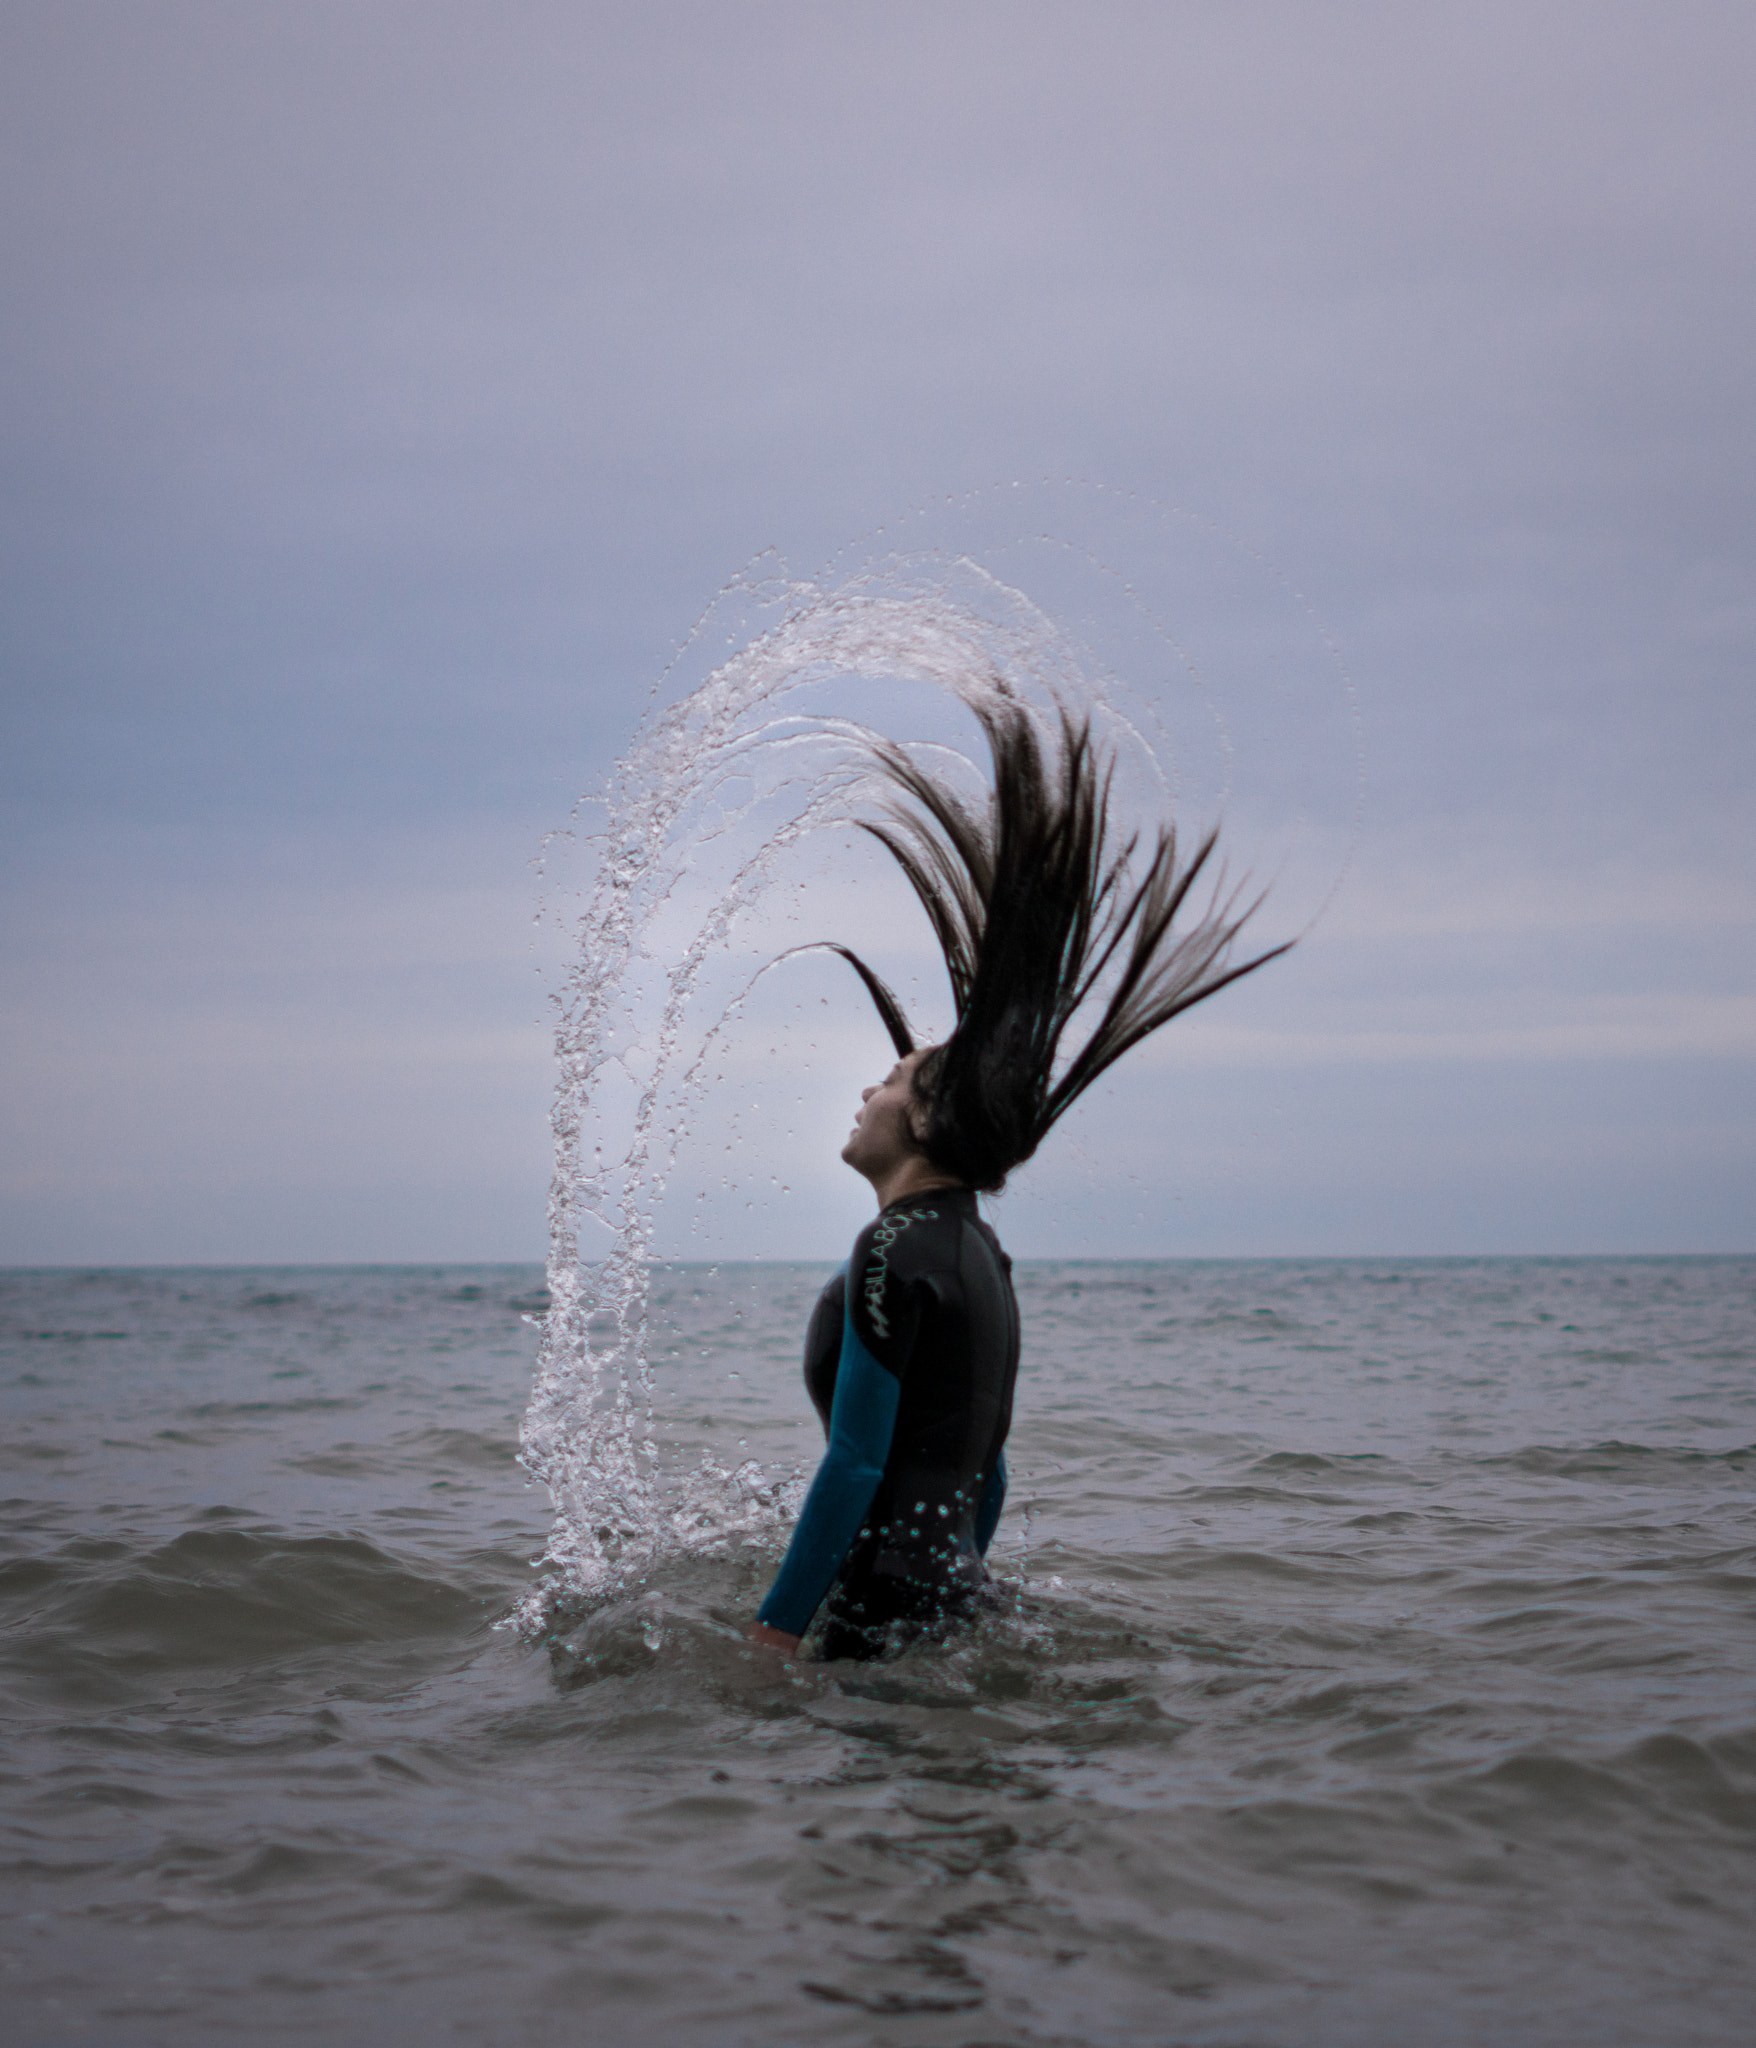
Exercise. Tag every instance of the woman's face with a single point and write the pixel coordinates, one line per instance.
(883, 1135)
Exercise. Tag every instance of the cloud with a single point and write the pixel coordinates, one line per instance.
(385, 388)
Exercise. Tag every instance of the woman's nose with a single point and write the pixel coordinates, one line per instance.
(866, 1094)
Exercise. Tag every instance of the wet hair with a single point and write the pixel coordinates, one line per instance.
(1033, 904)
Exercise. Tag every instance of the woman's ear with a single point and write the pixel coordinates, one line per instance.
(920, 1110)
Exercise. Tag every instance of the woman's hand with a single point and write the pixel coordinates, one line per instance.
(774, 1638)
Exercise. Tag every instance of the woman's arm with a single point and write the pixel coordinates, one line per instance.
(861, 1424)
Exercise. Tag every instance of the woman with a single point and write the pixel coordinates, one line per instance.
(909, 1360)
(913, 1347)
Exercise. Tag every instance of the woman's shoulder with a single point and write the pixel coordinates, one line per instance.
(902, 1262)
(909, 1239)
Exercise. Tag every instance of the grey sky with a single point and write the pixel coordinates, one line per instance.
(386, 387)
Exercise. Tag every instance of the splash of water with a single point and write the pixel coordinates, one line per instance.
(725, 780)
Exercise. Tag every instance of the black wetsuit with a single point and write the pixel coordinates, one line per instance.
(910, 1360)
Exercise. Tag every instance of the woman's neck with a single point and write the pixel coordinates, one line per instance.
(913, 1176)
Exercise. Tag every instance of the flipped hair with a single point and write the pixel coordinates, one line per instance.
(1033, 903)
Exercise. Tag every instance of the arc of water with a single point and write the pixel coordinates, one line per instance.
(588, 1431)
(731, 757)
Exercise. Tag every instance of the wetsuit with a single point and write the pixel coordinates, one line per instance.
(910, 1360)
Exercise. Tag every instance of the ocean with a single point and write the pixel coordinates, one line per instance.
(1377, 1665)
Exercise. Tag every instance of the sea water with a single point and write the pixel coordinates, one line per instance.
(1377, 1666)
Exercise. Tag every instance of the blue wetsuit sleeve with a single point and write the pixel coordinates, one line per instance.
(861, 1423)
(992, 1501)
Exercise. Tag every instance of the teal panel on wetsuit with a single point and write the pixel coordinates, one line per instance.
(861, 1424)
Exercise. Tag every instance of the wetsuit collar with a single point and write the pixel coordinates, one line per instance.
(960, 1197)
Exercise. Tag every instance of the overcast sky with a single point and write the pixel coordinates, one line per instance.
(386, 388)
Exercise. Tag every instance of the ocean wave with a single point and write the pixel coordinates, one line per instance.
(1667, 1780)
(303, 1404)
(1353, 1463)
(92, 1617)
(466, 1450)
(1616, 1460)
(72, 1336)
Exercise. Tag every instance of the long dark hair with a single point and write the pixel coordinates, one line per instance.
(1033, 906)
